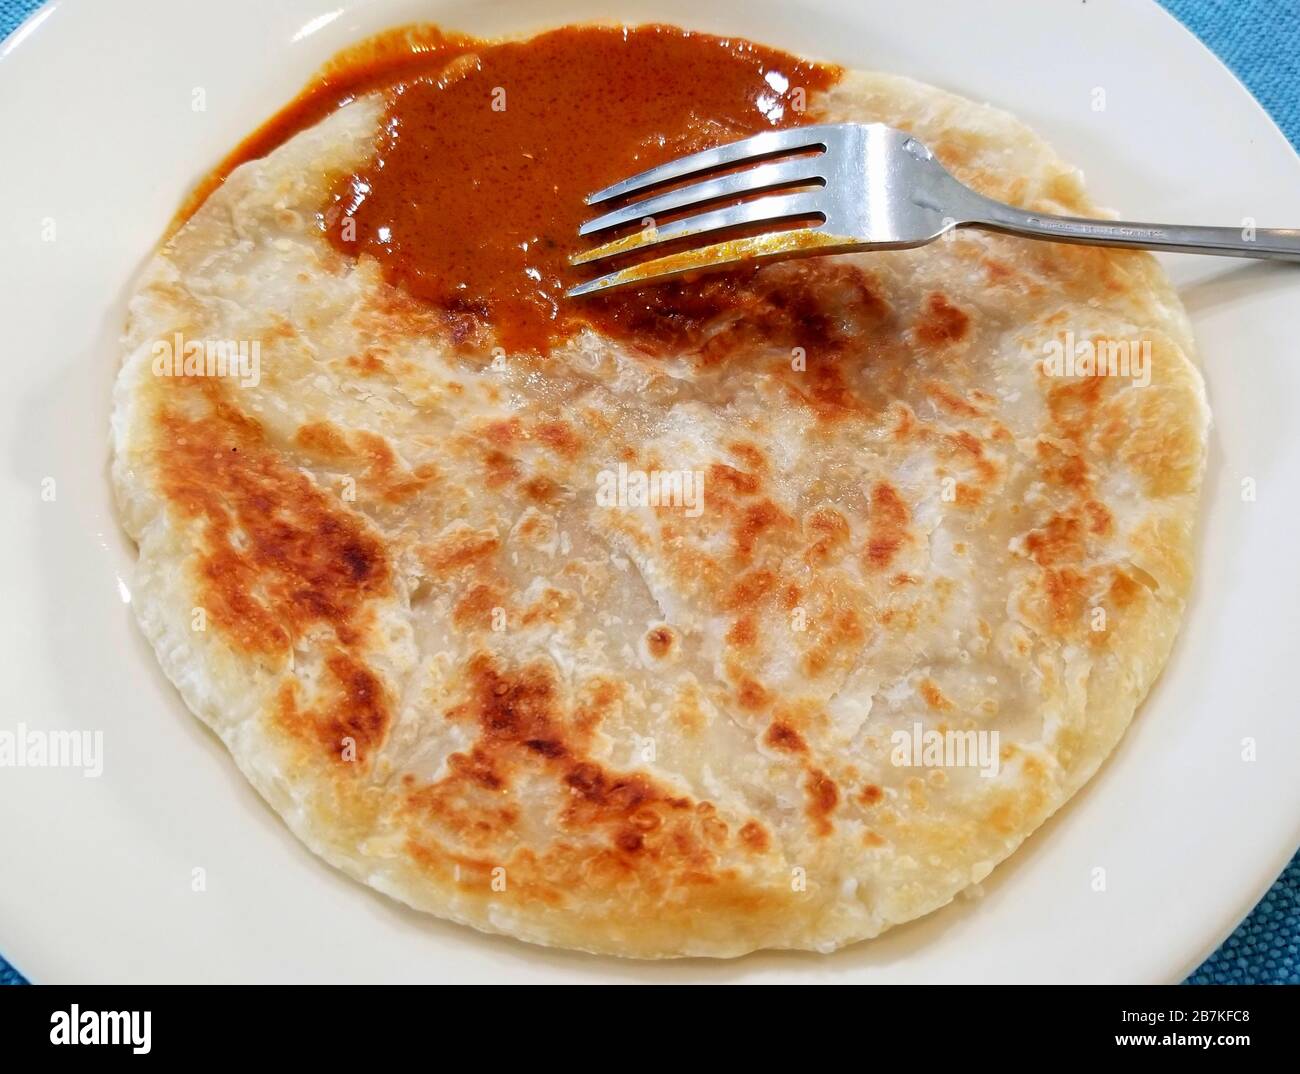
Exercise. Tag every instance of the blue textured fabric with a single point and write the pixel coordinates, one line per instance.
(12, 12)
(1260, 41)
(1265, 949)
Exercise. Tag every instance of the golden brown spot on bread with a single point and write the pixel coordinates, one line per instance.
(818, 305)
(751, 695)
(398, 488)
(368, 363)
(749, 589)
(540, 489)
(836, 639)
(560, 437)
(968, 447)
(660, 641)
(887, 527)
(950, 401)
(998, 432)
(997, 271)
(647, 820)
(553, 606)
(352, 718)
(376, 450)
(871, 795)
(323, 440)
(1124, 590)
(462, 547)
(1067, 592)
(383, 472)
(757, 520)
(474, 610)
(736, 481)
(511, 708)
(1059, 541)
(279, 328)
(781, 736)
(279, 555)
(956, 148)
(521, 713)
(361, 713)
(934, 696)
(941, 323)
(823, 388)
(1163, 442)
(688, 711)
(535, 527)
(596, 703)
(644, 832)
(1072, 404)
(504, 433)
(750, 455)
(829, 532)
(477, 768)
(743, 632)
(600, 792)
(501, 468)
(1063, 467)
(547, 747)
(1010, 814)
(905, 423)
(823, 797)
(1100, 519)
(754, 836)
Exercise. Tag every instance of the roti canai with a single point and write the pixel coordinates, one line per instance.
(769, 608)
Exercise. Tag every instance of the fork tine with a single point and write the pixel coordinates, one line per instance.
(760, 145)
(763, 210)
(764, 177)
(753, 248)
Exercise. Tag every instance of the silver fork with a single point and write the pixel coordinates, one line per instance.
(873, 187)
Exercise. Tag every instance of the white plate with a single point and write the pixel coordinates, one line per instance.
(100, 143)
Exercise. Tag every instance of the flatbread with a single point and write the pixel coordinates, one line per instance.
(385, 575)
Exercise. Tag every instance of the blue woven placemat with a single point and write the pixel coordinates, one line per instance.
(1260, 41)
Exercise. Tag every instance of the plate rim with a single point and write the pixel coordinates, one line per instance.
(26, 35)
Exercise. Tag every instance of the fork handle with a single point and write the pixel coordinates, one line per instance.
(1280, 244)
